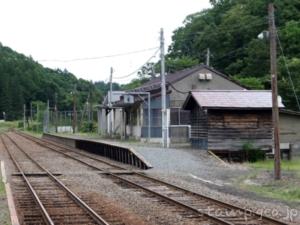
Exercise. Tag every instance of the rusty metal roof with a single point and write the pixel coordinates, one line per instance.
(233, 99)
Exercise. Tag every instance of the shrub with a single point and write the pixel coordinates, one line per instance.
(252, 153)
(20, 124)
(36, 127)
(88, 127)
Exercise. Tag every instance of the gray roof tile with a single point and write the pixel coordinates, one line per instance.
(234, 99)
(174, 77)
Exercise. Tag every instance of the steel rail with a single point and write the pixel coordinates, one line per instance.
(218, 202)
(41, 142)
(96, 217)
(37, 200)
(166, 198)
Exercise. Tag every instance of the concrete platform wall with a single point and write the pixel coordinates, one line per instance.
(118, 153)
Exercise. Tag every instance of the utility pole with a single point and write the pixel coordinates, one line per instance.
(37, 117)
(207, 56)
(55, 111)
(31, 111)
(74, 110)
(47, 116)
(164, 121)
(110, 102)
(24, 117)
(275, 113)
(88, 108)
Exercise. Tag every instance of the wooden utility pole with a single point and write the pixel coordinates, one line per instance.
(46, 119)
(275, 113)
(37, 117)
(74, 110)
(31, 111)
(55, 112)
(88, 108)
(24, 117)
(48, 115)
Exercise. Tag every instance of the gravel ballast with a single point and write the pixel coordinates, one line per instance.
(191, 169)
(198, 171)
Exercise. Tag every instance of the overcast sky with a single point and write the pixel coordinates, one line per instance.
(70, 29)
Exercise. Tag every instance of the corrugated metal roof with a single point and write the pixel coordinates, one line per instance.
(234, 99)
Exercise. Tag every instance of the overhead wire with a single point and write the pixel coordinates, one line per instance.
(175, 89)
(230, 53)
(232, 28)
(192, 36)
(288, 70)
(139, 68)
(221, 57)
(98, 57)
(149, 49)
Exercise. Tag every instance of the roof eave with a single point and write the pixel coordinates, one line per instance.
(186, 100)
(289, 112)
(236, 108)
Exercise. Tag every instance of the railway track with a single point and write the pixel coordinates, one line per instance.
(44, 199)
(193, 205)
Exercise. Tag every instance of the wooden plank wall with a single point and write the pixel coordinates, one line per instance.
(230, 130)
(199, 131)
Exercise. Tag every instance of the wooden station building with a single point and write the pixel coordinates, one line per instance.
(228, 119)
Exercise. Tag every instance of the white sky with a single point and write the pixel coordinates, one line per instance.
(68, 29)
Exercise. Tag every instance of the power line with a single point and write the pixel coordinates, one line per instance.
(230, 53)
(149, 49)
(175, 89)
(98, 57)
(199, 36)
(288, 70)
(218, 29)
(135, 71)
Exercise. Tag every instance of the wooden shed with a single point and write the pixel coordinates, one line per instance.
(226, 120)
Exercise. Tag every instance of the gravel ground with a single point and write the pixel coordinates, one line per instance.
(196, 170)
(4, 214)
(192, 169)
(150, 209)
(84, 180)
(188, 162)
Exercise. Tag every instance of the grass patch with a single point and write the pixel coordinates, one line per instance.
(5, 126)
(262, 183)
(286, 165)
(38, 135)
(86, 134)
(2, 188)
(283, 191)
(4, 215)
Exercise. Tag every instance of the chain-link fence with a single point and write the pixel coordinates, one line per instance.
(54, 121)
(70, 122)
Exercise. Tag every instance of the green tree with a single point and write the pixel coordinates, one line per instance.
(23, 81)
(5, 100)
(230, 29)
